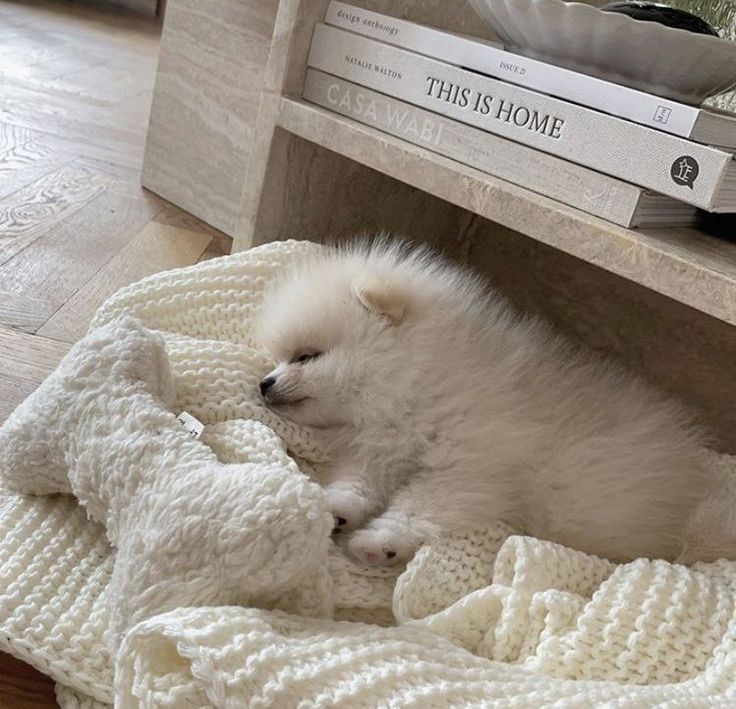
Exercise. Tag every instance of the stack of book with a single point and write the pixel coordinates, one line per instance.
(627, 156)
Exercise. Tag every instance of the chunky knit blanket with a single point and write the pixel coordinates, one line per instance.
(480, 618)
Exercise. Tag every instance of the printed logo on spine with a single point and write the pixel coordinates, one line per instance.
(684, 171)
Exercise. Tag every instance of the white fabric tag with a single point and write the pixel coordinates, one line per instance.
(192, 425)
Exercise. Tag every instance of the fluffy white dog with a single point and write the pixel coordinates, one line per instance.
(447, 409)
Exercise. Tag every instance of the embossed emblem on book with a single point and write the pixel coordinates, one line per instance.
(662, 114)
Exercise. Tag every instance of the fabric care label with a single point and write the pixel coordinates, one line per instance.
(193, 427)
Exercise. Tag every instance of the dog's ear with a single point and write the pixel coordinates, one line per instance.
(382, 297)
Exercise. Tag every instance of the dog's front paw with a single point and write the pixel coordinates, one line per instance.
(349, 508)
(381, 543)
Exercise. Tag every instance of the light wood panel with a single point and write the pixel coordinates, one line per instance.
(14, 136)
(30, 212)
(40, 279)
(29, 356)
(158, 247)
(26, 163)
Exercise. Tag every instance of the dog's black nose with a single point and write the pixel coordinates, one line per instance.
(266, 384)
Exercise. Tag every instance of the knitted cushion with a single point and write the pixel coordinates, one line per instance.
(188, 528)
(556, 626)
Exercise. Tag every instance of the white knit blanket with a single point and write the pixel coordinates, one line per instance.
(479, 619)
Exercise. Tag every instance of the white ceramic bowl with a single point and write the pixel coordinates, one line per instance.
(662, 60)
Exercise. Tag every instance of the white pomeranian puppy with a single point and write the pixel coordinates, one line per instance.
(446, 409)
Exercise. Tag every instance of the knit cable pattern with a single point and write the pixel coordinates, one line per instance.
(484, 619)
(557, 628)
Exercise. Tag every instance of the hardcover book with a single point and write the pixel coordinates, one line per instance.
(699, 175)
(708, 126)
(590, 191)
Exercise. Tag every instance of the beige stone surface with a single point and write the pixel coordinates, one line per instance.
(208, 87)
(340, 199)
(683, 263)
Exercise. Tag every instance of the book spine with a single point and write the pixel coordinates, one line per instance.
(491, 59)
(577, 186)
(672, 166)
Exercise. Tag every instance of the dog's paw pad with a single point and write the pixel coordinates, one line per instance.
(373, 549)
(372, 557)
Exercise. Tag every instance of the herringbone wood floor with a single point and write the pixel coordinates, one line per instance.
(75, 88)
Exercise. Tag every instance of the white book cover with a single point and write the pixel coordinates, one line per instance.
(490, 58)
(686, 171)
(592, 192)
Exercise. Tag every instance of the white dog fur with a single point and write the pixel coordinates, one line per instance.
(447, 409)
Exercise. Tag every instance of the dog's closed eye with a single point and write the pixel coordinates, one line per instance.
(304, 357)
